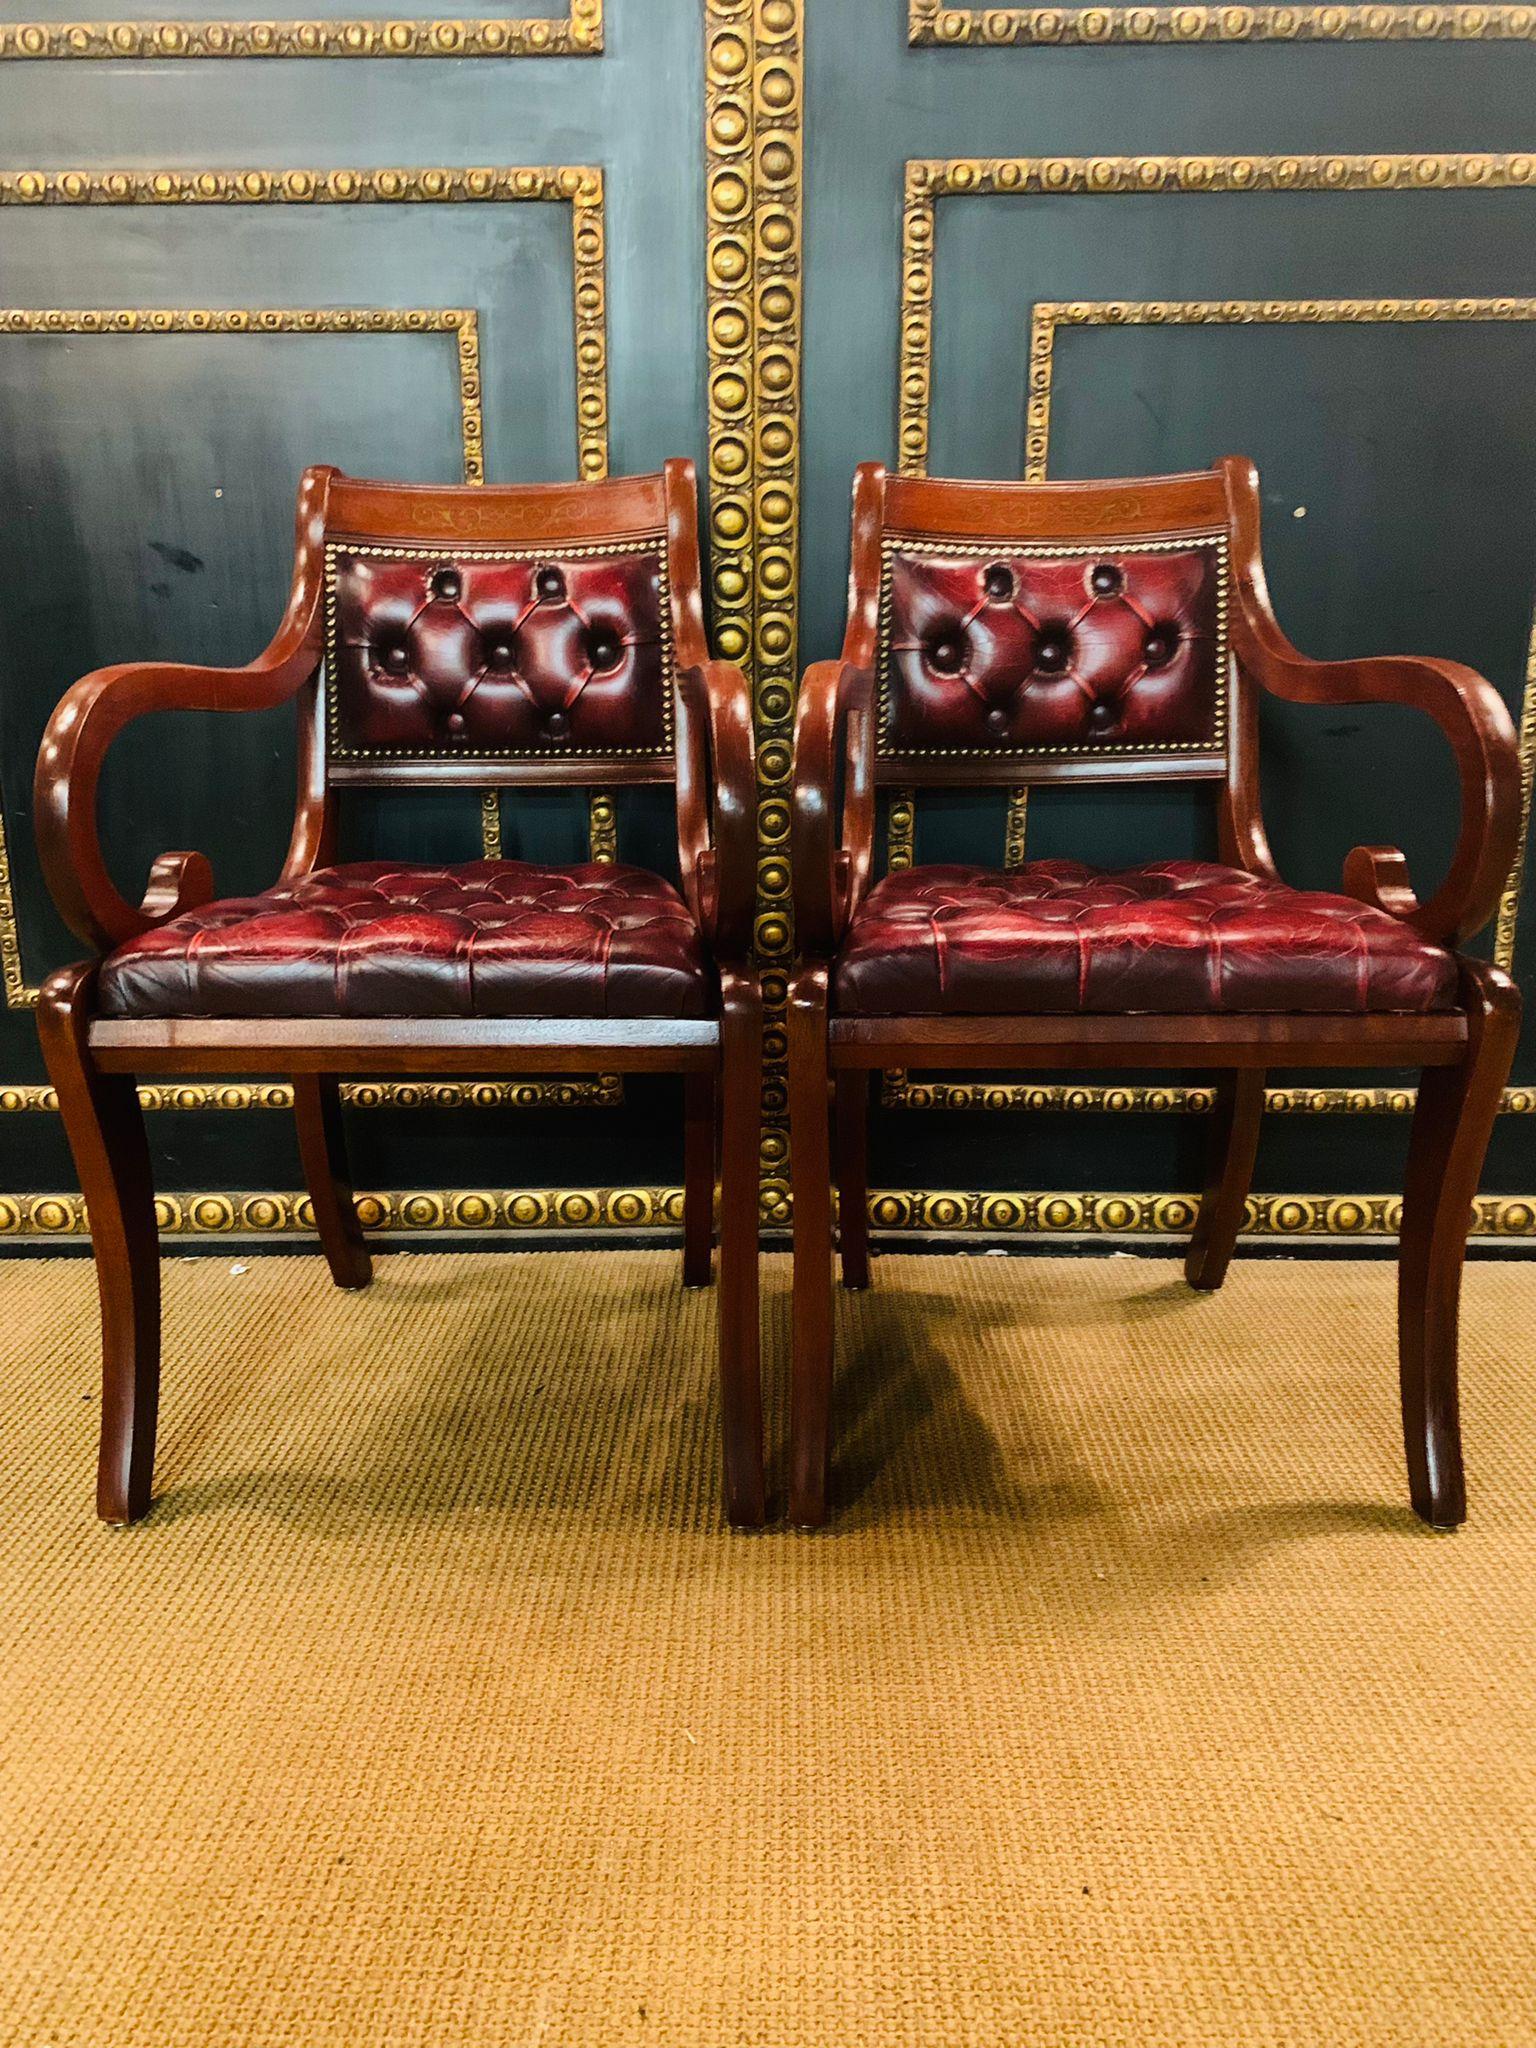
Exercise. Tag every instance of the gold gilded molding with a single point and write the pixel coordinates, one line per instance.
(754, 87)
(919, 1212)
(945, 1213)
(460, 321)
(603, 1090)
(901, 1093)
(578, 185)
(930, 179)
(578, 33)
(1049, 316)
(933, 25)
(286, 1215)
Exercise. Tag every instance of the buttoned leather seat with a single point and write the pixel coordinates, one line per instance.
(1180, 936)
(487, 938)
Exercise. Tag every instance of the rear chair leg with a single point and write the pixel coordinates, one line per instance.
(698, 1177)
(1451, 1128)
(851, 1112)
(105, 1129)
(1234, 1144)
(323, 1150)
(741, 1397)
(810, 1416)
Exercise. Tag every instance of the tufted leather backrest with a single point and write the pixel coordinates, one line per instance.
(1025, 632)
(1044, 651)
(559, 652)
(523, 633)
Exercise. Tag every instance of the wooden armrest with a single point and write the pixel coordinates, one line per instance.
(1471, 714)
(96, 709)
(717, 804)
(831, 859)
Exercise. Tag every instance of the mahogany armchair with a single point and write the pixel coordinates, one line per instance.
(544, 634)
(1030, 634)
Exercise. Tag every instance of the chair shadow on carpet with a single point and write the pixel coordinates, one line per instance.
(909, 1437)
(427, 1407)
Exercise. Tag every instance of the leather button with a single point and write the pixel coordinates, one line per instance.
(396, 659)
(1103, 716)
(997, 719)
(998, 582)
(947, 655)
(605, 650)
(557, 725)
(1106, 579)
(447, 584)
(1053, 650)
(455, 723)
(501, 654)
(1159, 645)
(550, 584)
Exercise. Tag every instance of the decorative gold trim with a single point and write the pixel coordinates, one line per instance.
(941, 1212)
(490, 824)
(1134, 1215)
(901, 829)
(578, 34)
(461, 321)
(602, 827)
(930, 179)
(286, 1215)
(580, 185)
(18, 994)
(1509, 902)
(1050, 315)
(1016, 827)
(901, 1093)
(933, 25)
(754, 88)
(603, 1091)
(979, 549)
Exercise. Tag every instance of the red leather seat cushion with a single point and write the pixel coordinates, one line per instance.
(1175, 936)
(489, 938)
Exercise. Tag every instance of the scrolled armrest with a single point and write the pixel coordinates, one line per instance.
(88, 718)
(1471, 714)
(830, 855)
(717, 804)
(95, 710)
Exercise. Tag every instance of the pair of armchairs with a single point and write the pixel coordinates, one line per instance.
(998, 634)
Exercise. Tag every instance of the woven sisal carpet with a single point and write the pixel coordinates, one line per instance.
(1125, 1704)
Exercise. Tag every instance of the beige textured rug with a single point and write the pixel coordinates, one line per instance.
(1125, 1704)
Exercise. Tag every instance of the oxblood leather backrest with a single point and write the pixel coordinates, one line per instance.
(552, 652)
(995, 648)
(1029, 632)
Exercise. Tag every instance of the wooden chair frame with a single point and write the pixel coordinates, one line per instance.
(1465, 1054)
(93, 1061)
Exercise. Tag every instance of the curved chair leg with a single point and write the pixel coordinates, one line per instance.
(105, 1129)
(810, 1411)
(851, 1114)
(741, 1395)
(323, 1150)
(1451, 1128)
(1234, 1144)
(698, 1177)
